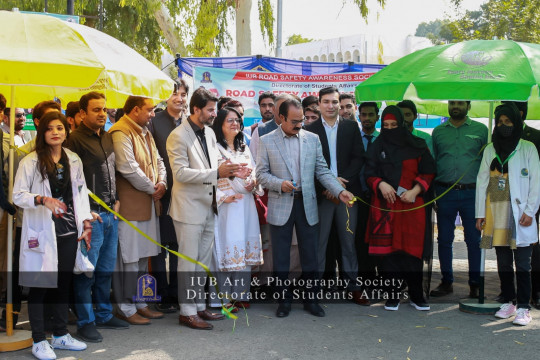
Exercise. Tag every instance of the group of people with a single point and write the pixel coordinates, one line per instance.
(205, 186)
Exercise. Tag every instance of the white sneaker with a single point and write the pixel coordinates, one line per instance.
(43, 350)
(66, 342)
(506, 311)
(523, 317)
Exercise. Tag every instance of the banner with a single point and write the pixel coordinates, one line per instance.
(246, 86)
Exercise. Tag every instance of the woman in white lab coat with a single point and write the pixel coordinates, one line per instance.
(51, 189)
(507, 198)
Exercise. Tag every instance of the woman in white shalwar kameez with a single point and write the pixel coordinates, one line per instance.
(237, 233)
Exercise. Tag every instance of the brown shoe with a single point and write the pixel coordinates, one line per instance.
(194, 322)
(359, 299)
(150, 314)
(210, 316)
(135, 319)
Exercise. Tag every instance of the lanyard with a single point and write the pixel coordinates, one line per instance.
(505, 161)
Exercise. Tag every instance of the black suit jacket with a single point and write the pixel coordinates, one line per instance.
(349, 152)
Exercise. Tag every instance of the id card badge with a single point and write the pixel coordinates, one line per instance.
(33, 243)
(502, 184)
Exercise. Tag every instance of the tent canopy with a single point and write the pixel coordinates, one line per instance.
(272, 64)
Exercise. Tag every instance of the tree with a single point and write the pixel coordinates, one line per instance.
(186, 27)
(438, 31)
(297, 39)
(517, 20)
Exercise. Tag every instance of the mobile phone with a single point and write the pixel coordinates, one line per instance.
(400, 190)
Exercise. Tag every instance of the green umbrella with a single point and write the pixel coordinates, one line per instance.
(481, 70)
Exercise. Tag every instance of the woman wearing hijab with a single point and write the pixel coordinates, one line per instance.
(507, 198)
(399, 170)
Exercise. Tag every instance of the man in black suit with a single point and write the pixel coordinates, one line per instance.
(161, 127)
(532, 135)
(343, 151)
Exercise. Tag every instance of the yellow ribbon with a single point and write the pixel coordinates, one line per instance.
(358, 198)
(224, 310)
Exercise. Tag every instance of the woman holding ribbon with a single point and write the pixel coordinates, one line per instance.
(237, 235)
(51, 188)
(399, 170)
(507, 199)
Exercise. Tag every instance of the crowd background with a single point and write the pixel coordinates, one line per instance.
(274, 198)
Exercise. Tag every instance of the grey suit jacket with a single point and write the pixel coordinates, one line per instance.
(193, 177)
(274, 166)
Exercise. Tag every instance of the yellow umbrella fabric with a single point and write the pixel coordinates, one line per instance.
(44, 58)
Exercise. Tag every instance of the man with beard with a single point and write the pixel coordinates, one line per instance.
(267, 108)
(141, 181)
(73, 115)
(95, 148)
(457, 146)
(20, 137)
(409, 115)
(347, 106)
(193, 155)
(161, 127)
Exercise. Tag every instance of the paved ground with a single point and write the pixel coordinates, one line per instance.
(348, 331)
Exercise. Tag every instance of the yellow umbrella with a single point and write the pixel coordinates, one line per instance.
(45, 58)
(42, 58)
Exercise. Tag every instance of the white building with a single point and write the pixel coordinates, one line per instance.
(360, 48)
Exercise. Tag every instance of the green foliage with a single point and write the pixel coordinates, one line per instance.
(297, 39)
(437, 31)
(266, 20)
(363, 6)
(517, 20)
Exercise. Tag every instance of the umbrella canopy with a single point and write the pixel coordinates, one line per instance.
(44, 58)
(486, 70)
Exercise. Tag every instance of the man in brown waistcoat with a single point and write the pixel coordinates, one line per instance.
(141, 181)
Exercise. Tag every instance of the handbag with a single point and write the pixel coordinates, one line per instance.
(82, 262)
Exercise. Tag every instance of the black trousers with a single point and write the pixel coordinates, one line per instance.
(167, 287)
(505, 266)
(56, 300)
(402, 266)
(308, 238)
(366, 263)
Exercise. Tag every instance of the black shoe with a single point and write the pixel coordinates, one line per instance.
(500, 298)
(89, 333)
(114, 323)
(166, 308)
(442, 290)
(283, 310)
(391, 305)
(474, 291)
(536, 303)
(314, 309)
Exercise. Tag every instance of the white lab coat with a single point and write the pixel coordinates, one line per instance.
(38, 265)
(524, 181)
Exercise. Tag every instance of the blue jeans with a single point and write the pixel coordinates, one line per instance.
(454, 202)
(97, 289)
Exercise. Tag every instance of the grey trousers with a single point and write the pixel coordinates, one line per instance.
(328, 211)
(124, 284)
(195, 241)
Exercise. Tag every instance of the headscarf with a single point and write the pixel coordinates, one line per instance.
(393, 146)
(505, 145)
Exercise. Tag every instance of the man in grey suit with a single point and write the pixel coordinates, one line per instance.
(193, 155)
(288, 161)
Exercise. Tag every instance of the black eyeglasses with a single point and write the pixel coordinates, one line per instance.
(297, 122)
(20, 115)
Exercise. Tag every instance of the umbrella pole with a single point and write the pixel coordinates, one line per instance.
(481, 306)
(13, 339)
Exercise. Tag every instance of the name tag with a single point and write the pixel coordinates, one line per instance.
(33, 243)
(502, 184)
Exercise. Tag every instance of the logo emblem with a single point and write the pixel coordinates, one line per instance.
(524, 172)
(473, 58)
(206, 77)
(146, 289)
